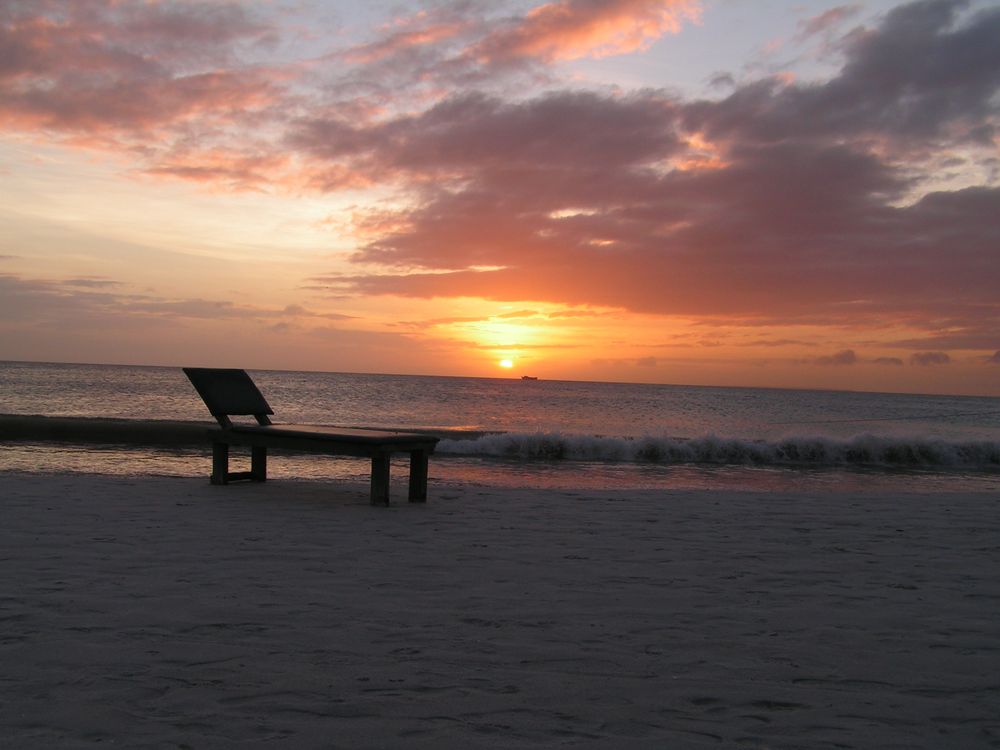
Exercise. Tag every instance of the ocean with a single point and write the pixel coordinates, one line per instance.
(558, 434)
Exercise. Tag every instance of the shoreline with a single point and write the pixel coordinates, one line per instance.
(135, 463)
(553, 461)
(152, 611)
(146, 432)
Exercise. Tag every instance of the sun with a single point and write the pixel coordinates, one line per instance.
(506, 363)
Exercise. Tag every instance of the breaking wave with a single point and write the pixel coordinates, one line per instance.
(864, 450)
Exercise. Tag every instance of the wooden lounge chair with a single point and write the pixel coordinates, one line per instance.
(232, 393)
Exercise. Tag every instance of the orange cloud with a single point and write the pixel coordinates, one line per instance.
(401, 41)
(571, 29)
(233, 169)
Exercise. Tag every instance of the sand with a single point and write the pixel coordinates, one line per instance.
(168, 613)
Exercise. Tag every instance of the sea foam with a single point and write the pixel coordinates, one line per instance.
(710, 449)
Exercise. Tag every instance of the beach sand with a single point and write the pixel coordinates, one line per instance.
(168, 613)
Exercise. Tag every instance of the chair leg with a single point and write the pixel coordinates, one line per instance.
(418, 476)
(380, 479)
(258, 463)
(220, 463)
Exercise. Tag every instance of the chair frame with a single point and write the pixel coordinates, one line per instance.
(231, 392)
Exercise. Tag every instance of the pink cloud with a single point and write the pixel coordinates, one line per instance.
(156, 78)
(463, 45)
(142, 107)
(130, 75)
(570, 29)
(45, 38)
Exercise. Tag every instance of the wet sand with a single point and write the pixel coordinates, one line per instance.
(165, 612)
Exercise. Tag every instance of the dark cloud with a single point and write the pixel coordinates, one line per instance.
(39, 301)
(845, 357)
(54, 320)
(473, 133)
(918, 76)
(722, 81)
(926, 359)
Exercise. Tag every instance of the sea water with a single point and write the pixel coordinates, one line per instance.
(512, 432)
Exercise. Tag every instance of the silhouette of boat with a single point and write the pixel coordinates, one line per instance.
(528, 377)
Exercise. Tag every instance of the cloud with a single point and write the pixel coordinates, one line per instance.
(571, 29)
(98, 39)
(77, 301)
(739, 242)
(827, 20)
(417, 32)
(803, 210)
(779, 342)
(91, 282)
(927, 359)
(476, 135)
(36, 301)
(139, 77)
(974, 329)
(115, 110)
(237, 170)
(53, 319)
(849, 357)
(845, 357)
(463, 44)
(46, 319)
(813, 202)
(641, 362)
(299, 311)
(880, 92)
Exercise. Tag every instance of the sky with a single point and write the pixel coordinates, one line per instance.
(778, 193)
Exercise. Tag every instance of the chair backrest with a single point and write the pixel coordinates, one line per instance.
(228, 392)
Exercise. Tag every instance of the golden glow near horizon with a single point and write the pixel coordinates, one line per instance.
(506, 363)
